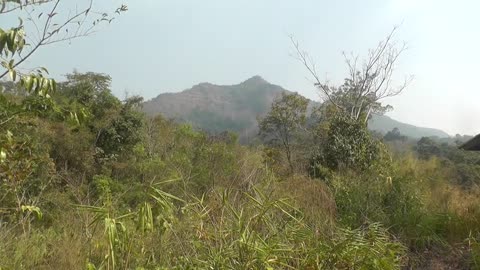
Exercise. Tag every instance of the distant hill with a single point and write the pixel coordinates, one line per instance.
(217, 108)
(236, 108)
(383, 124)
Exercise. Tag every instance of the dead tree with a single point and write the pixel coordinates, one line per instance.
(369, 81)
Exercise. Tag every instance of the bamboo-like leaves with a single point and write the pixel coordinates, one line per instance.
(38, 85)
(3, 155)
(12, 41)
(32, 209)
(145, 218)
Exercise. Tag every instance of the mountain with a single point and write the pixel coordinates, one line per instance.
(236, 108)
(217, 108)
(383, 124)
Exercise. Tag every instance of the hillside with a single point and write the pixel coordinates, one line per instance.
(384, 124)
(217, 108)
(236, 108)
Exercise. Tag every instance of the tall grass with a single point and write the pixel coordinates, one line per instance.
(223, 229)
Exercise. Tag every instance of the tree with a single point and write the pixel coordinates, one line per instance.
(368, 83)
(89, 95)
(347, 144)
(124, 129)
(49, 21)
(427, 147)
(284, 121)
(394, 135)
(116, 125)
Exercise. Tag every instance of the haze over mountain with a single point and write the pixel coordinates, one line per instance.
(236, 108)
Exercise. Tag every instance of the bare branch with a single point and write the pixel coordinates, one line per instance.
(50, 32)
(310, 65)
(6, 7)
(368, 83)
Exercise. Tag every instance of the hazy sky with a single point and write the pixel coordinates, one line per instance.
(168, 46)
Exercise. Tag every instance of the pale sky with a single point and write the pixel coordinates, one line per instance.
(168, 46)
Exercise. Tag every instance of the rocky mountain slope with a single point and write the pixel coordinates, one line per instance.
(235, 108)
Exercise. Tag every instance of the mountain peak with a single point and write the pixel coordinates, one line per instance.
(203, 85)
(237, 107)
(255, 80)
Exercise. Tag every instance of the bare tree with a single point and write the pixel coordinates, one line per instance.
(52, 21)
(369, 81)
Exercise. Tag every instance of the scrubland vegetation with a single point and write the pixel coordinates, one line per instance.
(119, 191)
(89, 182)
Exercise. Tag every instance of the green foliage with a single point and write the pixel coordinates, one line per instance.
(353, 100)
(426, 147)
(369, 247)
(25, 171)
(215, 122)
(284, 122)
(114, 124)
(394, 135)
(474, 246)
(102, 187)
(348, 144)
(88, 93)
(286, 116)
(464, 164)
(12, 43)
(245, 233)
(119, 191)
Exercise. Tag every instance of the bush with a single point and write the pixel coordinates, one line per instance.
(348, 145)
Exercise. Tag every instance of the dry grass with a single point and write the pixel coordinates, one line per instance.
(312, 197)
